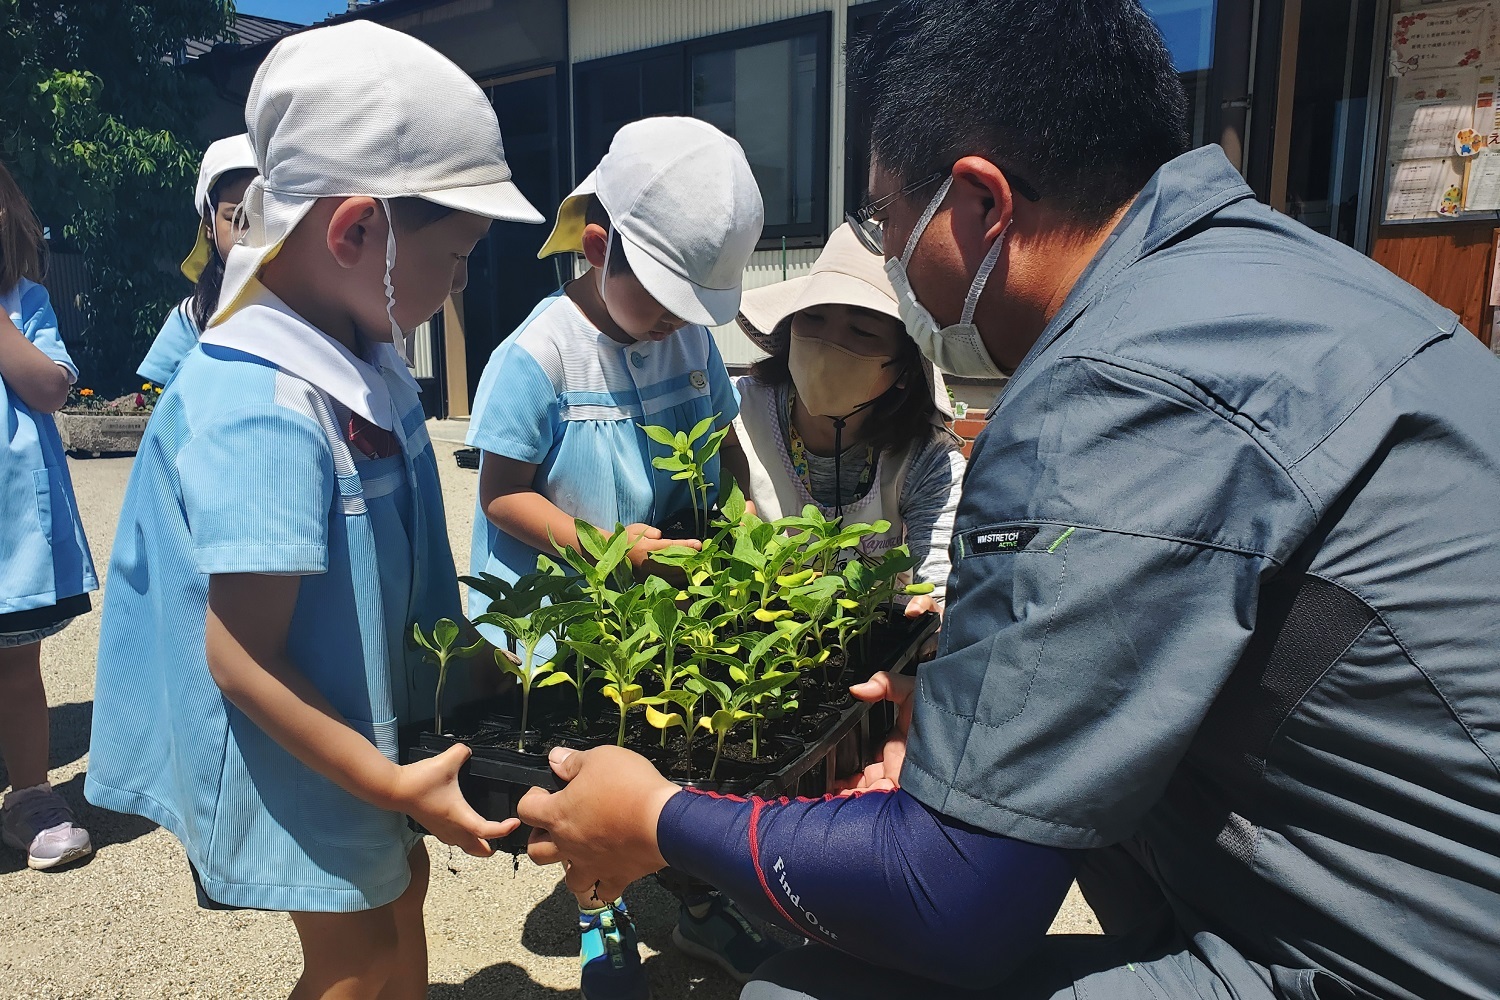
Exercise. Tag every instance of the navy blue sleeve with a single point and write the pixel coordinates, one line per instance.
(877, 875)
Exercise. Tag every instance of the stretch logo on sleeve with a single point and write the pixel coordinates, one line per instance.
(1006, 538)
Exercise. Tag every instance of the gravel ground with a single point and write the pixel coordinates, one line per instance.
(125, 924)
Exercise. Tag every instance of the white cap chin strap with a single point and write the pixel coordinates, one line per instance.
(398, 336)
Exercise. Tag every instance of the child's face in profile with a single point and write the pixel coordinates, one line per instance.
(432, 262)
(228, 194)
(632, 308)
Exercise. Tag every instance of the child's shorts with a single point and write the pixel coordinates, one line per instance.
(23, 628)
(205, 901)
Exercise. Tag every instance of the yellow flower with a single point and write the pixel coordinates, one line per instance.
(146, 387)
(158, 390)
(85, 392)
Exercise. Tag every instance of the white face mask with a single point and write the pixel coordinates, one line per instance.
(955, 349)
(398, 336)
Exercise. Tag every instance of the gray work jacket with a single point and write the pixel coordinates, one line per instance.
(1225, 577)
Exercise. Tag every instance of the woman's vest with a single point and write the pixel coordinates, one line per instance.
(778, 491)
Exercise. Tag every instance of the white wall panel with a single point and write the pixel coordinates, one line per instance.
(766, 268)
(608, 27)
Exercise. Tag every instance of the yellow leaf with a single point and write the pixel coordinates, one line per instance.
(662, 720)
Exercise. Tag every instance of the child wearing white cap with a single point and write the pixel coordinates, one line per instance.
(284, 527)
(667, 223)
(226, 172)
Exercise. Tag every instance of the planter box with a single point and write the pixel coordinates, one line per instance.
(845, 736)
(97, 435)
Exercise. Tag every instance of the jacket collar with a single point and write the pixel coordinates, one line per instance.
(1183, 192)
(267, 328)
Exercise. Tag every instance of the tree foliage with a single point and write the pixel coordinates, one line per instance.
(97, 122)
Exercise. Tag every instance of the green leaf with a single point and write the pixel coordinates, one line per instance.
(738, 675)
(762, 615)
(419, 637)
(701, 428)
(445, 632)
(733, 505)
(661, 435)
(919, 589)
(591, 538)
(556, 677)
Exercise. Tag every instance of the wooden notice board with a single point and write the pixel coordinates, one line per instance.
(1450, 262)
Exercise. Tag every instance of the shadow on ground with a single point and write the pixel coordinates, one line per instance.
(552, 926)
(500, 982)
(668, 973)
(552, 929)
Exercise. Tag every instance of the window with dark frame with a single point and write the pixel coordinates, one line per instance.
(767, 86)
(1187, 26)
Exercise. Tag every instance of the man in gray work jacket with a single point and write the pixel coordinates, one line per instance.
(1222, 626)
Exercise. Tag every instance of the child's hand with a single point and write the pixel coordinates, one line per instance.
(647, 541)
(427, 791)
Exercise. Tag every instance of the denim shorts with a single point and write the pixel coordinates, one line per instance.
(23, 628)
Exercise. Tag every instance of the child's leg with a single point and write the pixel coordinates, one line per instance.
(378, 954)
(23, 715)
(346, 956)
(409, 981)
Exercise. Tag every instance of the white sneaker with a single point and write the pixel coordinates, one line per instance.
(37, 820)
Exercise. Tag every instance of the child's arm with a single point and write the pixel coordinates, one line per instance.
(511, 502)
(41, 383)
(248, 618)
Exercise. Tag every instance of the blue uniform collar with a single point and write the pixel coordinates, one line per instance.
(1182, 193)
(267, 328)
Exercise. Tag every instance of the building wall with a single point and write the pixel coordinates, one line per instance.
(599, 28)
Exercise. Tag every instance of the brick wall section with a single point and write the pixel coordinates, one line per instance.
(969, 429)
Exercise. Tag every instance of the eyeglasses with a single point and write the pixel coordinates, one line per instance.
(871, 231)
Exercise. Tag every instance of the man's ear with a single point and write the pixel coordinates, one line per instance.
(357, 225)
(595, 244)
(982, 201)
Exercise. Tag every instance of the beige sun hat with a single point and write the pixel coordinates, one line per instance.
(360, 109)
(845, 273)
(223, 156)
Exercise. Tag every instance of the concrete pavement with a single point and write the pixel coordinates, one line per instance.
(125, 924)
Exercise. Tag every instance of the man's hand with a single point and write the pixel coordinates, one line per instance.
(885, 773)
(919, 606)
(602, 826)
(427, 791)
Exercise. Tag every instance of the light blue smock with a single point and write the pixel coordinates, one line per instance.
(562, 396)
(244, 469)
(178, 336)
(44, 556)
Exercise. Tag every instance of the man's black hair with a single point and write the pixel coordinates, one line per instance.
(1077, 97)
(595, 214)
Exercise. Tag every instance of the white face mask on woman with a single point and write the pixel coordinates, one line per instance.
(833, 381)
(956, 349)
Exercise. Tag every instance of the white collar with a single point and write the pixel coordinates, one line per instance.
(267, 328)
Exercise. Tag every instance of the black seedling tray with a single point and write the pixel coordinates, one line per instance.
(496, 776)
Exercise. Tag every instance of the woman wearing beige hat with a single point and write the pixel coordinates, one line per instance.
(846, 413)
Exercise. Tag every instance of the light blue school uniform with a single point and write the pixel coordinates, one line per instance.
(562, 396)
(244, 468)
(44, 556)
(177, 337)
